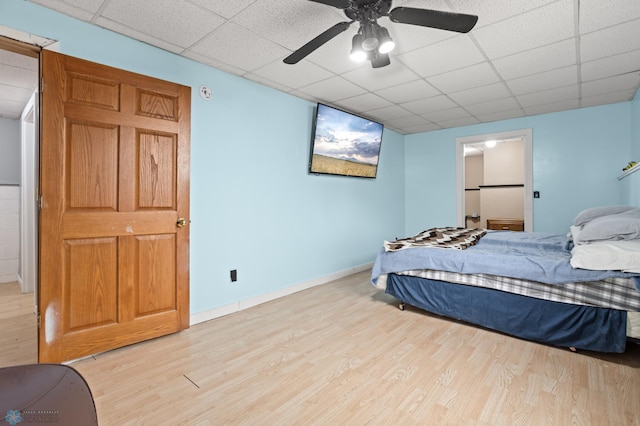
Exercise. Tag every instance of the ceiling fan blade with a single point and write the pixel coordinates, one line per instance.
(449, 21)
(301, 53)
(340, 4)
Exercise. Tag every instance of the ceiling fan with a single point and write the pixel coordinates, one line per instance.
(372, 41)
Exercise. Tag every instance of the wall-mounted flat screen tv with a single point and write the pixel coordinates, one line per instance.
(344, 144)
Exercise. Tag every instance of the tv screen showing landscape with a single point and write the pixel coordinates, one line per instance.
(344, 144)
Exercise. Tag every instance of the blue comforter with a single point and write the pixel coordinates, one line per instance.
(533, 256)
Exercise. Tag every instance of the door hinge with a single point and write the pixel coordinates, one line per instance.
(38, 320)
(41, 85)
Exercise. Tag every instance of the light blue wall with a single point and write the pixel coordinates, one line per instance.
(577, 156)
(631, 184)
(9, 151)
(254, 208)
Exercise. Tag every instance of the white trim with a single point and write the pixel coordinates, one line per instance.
(28, 193)
(527, 136)
(8, 278)
(254, 301)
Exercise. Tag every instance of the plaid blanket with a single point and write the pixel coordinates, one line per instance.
(454, 238)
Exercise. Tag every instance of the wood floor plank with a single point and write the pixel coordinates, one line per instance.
(343, 353)
(18, 332)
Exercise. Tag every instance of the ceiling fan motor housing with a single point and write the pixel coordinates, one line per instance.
(373, 8)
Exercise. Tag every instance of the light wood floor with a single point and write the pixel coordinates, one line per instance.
(18, 332)
(343, 353)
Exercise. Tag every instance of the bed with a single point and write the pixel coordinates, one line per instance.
(579, 290)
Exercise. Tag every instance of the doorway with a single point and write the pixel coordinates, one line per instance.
(18, 95)
(524, 187)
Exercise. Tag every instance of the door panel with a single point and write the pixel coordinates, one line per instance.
(96, 304)
(115, 180)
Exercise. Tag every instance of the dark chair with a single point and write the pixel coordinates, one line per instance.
(45, 393)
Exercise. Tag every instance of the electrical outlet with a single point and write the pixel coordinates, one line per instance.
(234, 275)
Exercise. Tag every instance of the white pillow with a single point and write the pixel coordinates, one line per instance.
(621, 226)
(607, 256)
(589, 214)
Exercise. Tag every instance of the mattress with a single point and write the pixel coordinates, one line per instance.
(614, 293)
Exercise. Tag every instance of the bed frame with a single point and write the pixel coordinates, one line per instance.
(554, 323)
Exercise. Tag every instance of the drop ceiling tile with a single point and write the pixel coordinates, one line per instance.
(410, 121)
(610, 66)
(17, 94)
(266, 82)
(488, 12)
(458, 122)
(11, 109)
(83, 10)
(481, 94)
(625, 82)
(489, 107)
(333, 89)
(424, 106)
(544, 81)
(214, 63)
(145, 38)
(392, 112)
(607, 98)
(290, 23)
(599, 14)
(552, 107)
(466, 78)
(176, 21)
(447, 114)
(539, 27)
(428, 127)
(502, 115)
(306, 96)
(451, 54)
(410, 37)
(19, 61)
(306, 73)
(561, 94)
(547, 58)
(407, 92)
(17, 76)
(610, 41)
(364, 103)
(226, 9)
(532, 44)
(379, 78)
(256, 51)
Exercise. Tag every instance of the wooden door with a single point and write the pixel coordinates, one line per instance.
(114, 265)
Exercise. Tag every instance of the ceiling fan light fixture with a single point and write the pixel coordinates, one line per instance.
(370, 41)
(380, 61)
(357, 53)
(386, 43)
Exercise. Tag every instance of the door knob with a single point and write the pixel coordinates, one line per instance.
(181, 223)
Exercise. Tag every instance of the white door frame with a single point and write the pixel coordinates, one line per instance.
(527, 136)
(28, 196)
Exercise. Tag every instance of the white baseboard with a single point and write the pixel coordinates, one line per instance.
(247, 303)
(8, 278)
